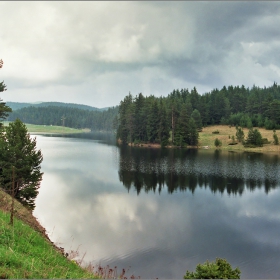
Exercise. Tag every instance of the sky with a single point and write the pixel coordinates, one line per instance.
(95, 53)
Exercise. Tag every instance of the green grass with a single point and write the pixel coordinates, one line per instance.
(25, 253)
(50, 129)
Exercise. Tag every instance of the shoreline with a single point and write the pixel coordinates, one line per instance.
(240, 148)
(207, 138)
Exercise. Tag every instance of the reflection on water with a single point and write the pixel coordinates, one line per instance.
(161, 212)
(179, 170)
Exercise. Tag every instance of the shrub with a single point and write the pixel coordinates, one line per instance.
(275, 138)
(265, 141)
(254, 138)
(220, 269)
(239, 134)
(217, 143)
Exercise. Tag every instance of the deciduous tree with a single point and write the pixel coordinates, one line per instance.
(220, 269)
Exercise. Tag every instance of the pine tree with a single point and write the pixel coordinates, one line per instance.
(193, 133)
(182, 129)
(4, 110)
(239, 134)
(254, 138)
(197, 119)
(153, 122)
(18, 152)
(163, 129)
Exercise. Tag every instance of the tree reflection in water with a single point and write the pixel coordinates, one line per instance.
(180, 170)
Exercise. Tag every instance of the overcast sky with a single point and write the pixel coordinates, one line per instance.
(95, 53)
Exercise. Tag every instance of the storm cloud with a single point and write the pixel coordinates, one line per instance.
(95, 53)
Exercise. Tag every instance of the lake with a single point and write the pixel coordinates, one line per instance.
(160, 212)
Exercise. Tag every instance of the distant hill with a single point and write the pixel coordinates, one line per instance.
(19, 105)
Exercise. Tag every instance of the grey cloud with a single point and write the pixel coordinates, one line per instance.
(99, 51)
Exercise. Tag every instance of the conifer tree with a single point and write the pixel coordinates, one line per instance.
(193, 133)
(197, 119)
(163, 129)
(4, 110)
(254, 138)
(20, 156)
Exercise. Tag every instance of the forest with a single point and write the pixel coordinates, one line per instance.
(66, 116)
(173, 119)
(177, 118)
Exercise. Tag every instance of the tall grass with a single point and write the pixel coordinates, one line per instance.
(25, 253)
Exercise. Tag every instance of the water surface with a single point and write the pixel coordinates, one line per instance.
(160, 212)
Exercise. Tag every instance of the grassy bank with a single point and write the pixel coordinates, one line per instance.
(32, 128)
(26, 251)
(207, 138)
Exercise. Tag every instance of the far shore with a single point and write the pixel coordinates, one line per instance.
(51, 129)
(207, 138)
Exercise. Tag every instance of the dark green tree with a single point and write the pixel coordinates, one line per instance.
(163, 129)
(18, 152)
(4, 110)
(193, 133)
(239, 134)
(126, 118)
(217, 143)
(275, 138)
(182, 129)
(254, 138)
(197, 119)
(153, 122)
(220, 269)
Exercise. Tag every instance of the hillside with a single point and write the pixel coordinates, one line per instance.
(66, 116)
(20, 105)
(27, 252)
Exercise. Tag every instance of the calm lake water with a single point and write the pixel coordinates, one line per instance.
(160, 212)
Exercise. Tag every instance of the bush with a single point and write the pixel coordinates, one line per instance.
(220, 269)
(254, 138)
(217, 143)
(216, 132)
(275, 138)
(239, 134)
(265, 141)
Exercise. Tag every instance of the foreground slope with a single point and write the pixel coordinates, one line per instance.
(26, 251)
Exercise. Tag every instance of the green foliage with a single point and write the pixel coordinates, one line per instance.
(254, 138)
(74, 117)
(275, 138)
(220, 269)
(4, 110)
(197, 119)
(238, 106)
(265, 141)
(217, 143)
(193, 133)
(25, 253)
(18, 151)
(239, 134)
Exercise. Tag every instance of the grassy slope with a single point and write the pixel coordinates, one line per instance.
(25, 250)
(207, 138)
(32, 128)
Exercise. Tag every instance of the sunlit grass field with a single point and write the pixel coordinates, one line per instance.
(32, 128)
(207, 138)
